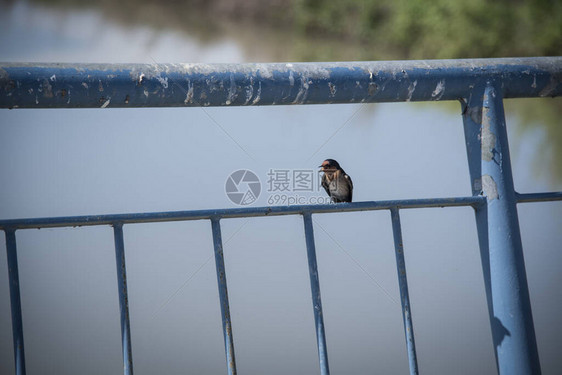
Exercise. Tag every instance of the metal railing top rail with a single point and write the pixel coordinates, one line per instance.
(65, 85)
(230, 213)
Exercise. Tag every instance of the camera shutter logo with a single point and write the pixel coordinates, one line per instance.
(243, 187)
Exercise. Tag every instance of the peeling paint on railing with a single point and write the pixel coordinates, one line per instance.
(30, 85)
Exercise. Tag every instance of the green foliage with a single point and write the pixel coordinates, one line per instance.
(439, 28)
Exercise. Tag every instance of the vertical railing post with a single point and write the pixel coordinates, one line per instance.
(316, 300)
(123, 299)
(501, 250)
(472, 122)
(404, 295)
(223, 296)
(15, 301)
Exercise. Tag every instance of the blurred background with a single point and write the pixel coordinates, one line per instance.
(79, 162)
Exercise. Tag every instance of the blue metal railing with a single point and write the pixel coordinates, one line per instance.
(480, 86)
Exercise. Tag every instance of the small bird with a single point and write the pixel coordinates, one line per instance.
(336, 182)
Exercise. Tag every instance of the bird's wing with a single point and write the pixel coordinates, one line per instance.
(348, 179)
(346, 176)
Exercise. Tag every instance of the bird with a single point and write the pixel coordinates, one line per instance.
(336, 182)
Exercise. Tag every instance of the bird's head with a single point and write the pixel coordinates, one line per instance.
(329, 165)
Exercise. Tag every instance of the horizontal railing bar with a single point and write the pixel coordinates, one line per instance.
(226, 213)
(65, 85)
(260, 211)
(131, 218)
(538, 197)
